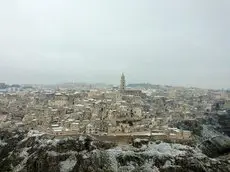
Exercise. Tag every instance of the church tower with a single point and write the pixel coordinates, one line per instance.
(122, 84)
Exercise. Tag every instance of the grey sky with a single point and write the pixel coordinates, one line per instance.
(179, 42)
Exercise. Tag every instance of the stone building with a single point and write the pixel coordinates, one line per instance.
(90, 129)
(124, 92)
(75, 127)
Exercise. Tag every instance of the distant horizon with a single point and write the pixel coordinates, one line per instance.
(109, 84)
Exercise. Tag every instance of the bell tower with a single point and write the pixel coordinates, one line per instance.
(122, 83)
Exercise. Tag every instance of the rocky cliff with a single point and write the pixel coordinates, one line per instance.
(209, 138)
(36, 152)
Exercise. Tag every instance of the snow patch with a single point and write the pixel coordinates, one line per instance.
(16, 136)
(34, 133)
(164, 149)
(137, 140)
(67, 165)
(126, 168)
(82, 139)
(52, 153)
(24, 153)
(167, 164)
(2, 143)
(45, 142)
(23, 140)
(115, 151)
(180, 147)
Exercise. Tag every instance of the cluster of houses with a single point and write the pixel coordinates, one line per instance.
(112, 111)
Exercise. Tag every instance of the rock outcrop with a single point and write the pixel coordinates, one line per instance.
(208, 136)
(37, 152)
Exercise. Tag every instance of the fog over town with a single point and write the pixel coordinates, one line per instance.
(180, 43)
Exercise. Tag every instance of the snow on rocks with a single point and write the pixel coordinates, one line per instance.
(52, 153)
(34, 133)
(144, 159)
(2, 143)
(82, 139)
(24, 153)
(180, 147)
(147, 167)
(68, 164)
(162, 150)
(115, 151)
(167, 164)
(45, 142)
(107, 157)
(16, 136)
(126, 168)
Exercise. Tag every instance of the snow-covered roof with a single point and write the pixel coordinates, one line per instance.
(158, 134)
(89, 125)
(70, 120)
(19, 123)
(79, 105)
(172, 134)
(186, 131)
(75, 123)
(85, 120)
(57, 129)
(97, 102)
(58, 94)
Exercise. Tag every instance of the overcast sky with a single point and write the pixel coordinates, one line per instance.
(179, 42)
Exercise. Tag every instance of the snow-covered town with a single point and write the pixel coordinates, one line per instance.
(137, 110)
(122, 126)
(114, 86)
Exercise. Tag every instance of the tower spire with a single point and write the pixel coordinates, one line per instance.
(122, 83)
